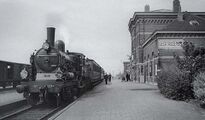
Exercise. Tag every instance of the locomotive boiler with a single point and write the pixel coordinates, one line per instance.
(57, 75)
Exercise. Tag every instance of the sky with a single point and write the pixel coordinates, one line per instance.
(96, 28)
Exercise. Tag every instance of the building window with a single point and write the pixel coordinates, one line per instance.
(142, 70)
(152, 54)
(156, 69)
(151, 68)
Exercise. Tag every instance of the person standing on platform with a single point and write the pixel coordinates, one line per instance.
(128, 77)
(106, 77)
(109, 77)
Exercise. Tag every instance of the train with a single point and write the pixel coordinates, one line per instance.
(57, 76)
(9, 73)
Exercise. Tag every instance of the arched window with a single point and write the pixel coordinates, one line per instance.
(152, 54)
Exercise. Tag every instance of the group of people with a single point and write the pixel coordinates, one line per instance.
(107, 78)
(127, 76)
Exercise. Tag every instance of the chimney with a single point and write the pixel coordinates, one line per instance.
(176, 6)
(51, 35)
(180, 16)
(147, 8)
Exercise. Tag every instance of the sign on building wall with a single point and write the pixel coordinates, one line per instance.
(170, 43)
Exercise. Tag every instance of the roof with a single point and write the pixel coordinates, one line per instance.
(188, 22)
(158, 13)
(76, 53)
(4, 61)
(93, 61)
(126, 62)
(162, 10)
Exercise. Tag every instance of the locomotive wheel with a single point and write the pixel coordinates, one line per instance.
(33, 99)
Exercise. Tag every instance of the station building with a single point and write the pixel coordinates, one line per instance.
(157, 35)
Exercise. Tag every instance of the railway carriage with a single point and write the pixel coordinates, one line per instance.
(95, 72)
(9, 73)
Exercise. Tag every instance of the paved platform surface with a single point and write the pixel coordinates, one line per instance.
(9, 96)
(128, 101)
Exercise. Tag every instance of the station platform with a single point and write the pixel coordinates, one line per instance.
(10, 96)
(128, 101)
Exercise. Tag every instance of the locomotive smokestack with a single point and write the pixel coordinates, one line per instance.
(51, 35)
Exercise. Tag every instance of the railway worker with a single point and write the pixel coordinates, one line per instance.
(106, 77)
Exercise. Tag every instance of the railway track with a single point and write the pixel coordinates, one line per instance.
(39, 112)
(12, 107)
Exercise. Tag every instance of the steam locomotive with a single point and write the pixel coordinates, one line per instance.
(56, 75)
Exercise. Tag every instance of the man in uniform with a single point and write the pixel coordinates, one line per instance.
(109, 77)
(106, 77)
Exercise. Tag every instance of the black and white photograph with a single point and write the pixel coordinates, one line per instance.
(102, 60)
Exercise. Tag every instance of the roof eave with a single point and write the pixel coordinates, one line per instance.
(157, 32)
